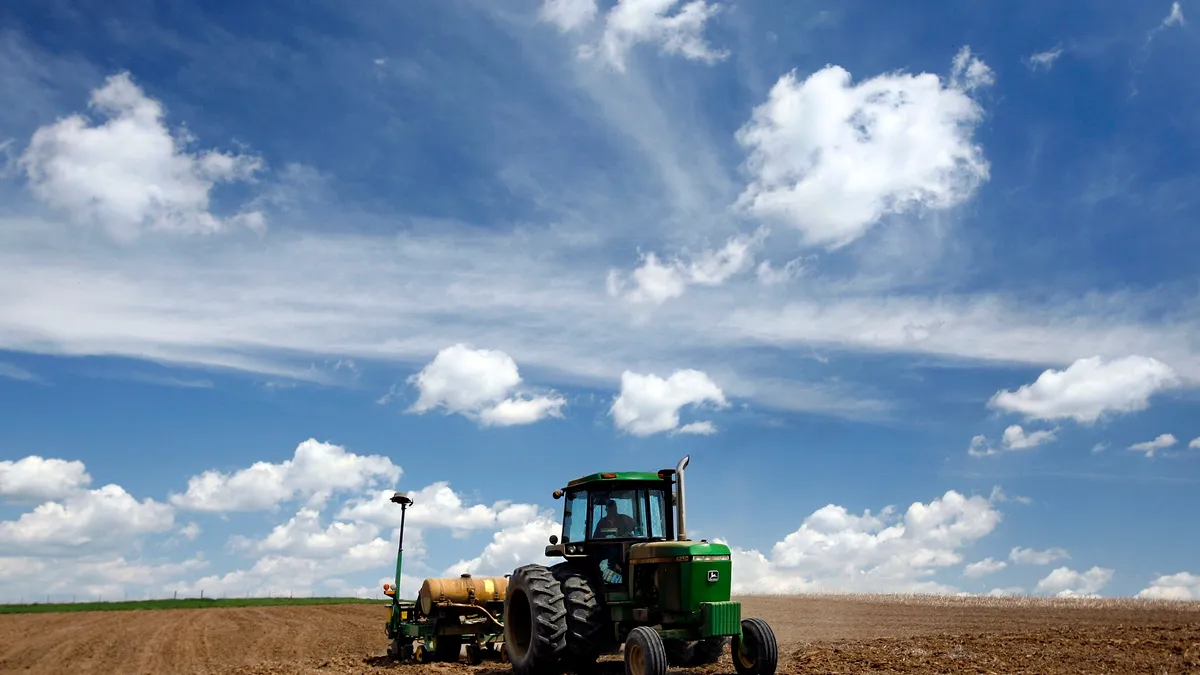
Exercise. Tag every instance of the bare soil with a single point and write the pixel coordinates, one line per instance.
(817, 634)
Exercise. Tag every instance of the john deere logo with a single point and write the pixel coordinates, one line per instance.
(713, 575)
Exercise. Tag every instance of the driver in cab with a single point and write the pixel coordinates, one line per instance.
(614, 524)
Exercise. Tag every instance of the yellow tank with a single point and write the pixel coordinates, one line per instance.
(463, 590)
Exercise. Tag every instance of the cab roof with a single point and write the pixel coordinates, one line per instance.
(616, 476)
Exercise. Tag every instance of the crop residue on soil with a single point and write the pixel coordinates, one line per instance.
(818, 634)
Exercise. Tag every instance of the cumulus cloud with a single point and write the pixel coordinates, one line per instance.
(1180, 586)
(837, 550)
(303, 535)
(315, 471)
(510, 547)
(305, 553)
(1066, 582)
(129, 173)
(104, 576)
(480, 384)
(38, 479)
(831, 158)
(1195, 443)
(1089, 389)
(280, 575)
(1015, 438)
(437, 505)
(655, 282)
(83, 522)
(983, 568)
(1150, 448)
(648, 404)
(676, 29)
(1029, 556)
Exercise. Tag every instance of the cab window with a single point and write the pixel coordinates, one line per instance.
(625, 514)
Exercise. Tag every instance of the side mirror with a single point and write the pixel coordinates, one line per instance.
(553, 539)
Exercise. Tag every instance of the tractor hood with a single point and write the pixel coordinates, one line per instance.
(676, 551)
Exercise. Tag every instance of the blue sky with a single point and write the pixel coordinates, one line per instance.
(912, 286)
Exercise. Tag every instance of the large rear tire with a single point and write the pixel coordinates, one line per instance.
(585, 617)
(644, 652)
(535, 621)
(756, 652)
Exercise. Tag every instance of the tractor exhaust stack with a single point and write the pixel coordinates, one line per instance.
(680, 502)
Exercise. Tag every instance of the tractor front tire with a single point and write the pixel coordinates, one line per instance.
(644, 652)
(585, 617)
(756, 652)
(535, 621)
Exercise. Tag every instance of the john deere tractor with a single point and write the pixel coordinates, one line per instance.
(630, 576)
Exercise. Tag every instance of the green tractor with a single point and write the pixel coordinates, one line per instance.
(630, 576)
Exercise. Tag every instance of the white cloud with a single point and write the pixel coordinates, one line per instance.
(1195, 443)
(1028, 556)
(1175, 17)
(1150, 448)
(838, 550)
(831, 158)
(84, 522)
(655, 282)
(1045, 59)
(1066, 582)
(568, 14)
(303, 536)
(18, 373)
(279, 575)
(1180, 586)
(304, 553)
(90, 577)
(478, 384)
(1089, 389)
(315, 472)
(190, 531)
(129, 173)
(437, 505)
(38, 479)
(511, 547)
(648, 404)
(968, 72)
(704, 428)
(1015, 438)
(768, 275)
(633, 22)
(983, 568)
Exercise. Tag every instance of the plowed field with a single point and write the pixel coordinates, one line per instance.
(849, 634)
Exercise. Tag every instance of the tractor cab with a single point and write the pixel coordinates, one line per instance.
(606, 514)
